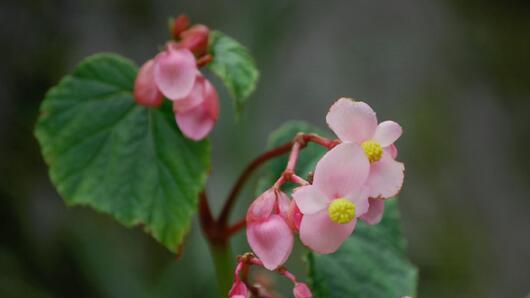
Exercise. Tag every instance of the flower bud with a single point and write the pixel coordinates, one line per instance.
(239, 290)
(301, 290)
(146, 92)
(268, 233)
(196, 39)
(179, 24)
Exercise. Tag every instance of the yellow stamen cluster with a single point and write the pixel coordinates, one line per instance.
(373, 150)
(341, 211)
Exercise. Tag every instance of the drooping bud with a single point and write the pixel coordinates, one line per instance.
(301, 290)
(146, 92)
(268, 233)
(178, 25)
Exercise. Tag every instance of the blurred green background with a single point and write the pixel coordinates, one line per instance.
(455, 74)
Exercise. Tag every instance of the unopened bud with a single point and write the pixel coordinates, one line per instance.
(178, 25)
(301, 290)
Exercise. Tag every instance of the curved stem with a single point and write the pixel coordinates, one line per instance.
(256, 163)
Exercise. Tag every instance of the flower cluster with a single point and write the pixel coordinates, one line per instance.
(350, 182)
(173, 73)
(241, 287)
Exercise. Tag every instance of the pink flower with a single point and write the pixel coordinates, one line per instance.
(332, 204)
(173, 74)
(356, 122)
(268, 233)
(301, 290)
(146, 92)
(197, 113)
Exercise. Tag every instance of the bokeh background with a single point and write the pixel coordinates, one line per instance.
(454, 73)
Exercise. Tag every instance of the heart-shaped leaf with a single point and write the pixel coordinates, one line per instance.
(109, 153)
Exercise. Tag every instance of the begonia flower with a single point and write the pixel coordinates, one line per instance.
(355, 122)
(337, 197)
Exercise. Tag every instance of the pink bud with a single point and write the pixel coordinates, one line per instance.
(268, 233)
(175, 71)
(294, 216)
(301, 290)
(146, 92)
(239, 290)
(196, 39)
(197, 120)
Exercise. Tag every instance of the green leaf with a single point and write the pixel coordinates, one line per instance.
(372, 263)
(234, 65)
(109, 153)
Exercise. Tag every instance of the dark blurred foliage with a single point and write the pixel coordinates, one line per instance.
(455, 74)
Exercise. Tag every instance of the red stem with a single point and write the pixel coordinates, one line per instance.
(225, 212)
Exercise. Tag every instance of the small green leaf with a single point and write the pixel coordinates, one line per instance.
(109, 153)
(372, 263)
(234, 65)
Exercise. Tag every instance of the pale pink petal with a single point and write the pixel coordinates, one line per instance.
(391, 150)
(360, 199)
(386, 177)
(352, 121)
(342, 171)
(175, 72)
(197, 122)
(387, 133)
(301, 290)
(262, 206)
(309, 199)
(194, 98)
(322, 235)
(375, 212)
(146, 92)
(271, 240)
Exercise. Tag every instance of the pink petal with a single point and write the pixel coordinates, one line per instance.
(341, 171)
(375, 212)
(360, 199)
(322, 235)
(386, 177)
(301, 290)
(262, 206)
(197, 122)
(195, 97)
(175, 71)
(352, 121)
(391, 150)
(309, 199)
(271, 240)
(387, 133)
(146, 92)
